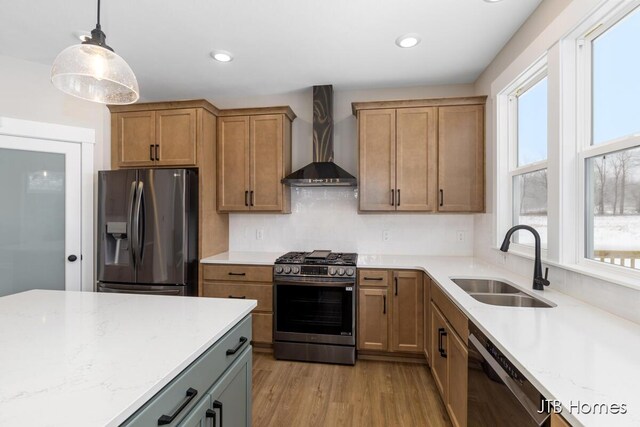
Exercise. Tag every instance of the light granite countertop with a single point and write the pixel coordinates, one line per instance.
(573, 352)
(93, 359)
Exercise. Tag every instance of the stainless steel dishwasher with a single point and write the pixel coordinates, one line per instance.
(499, 394)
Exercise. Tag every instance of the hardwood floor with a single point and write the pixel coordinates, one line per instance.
(371, 393)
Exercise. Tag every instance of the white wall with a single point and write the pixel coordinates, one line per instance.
(327, 218)
(548, 24)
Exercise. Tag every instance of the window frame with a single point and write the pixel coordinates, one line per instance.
(596, 25)
(507, 137)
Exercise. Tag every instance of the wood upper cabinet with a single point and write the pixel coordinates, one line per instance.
(377, 165)
(233, 163)
(176, 137)
(421, 155)
(407, 312)
(254, 154)
(164, 137)
(133, 136)
(416, 159)
(461, 158)
(373, 319)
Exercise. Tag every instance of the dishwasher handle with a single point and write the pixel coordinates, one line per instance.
(513, 387)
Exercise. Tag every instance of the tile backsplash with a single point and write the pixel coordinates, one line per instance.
(327, 218)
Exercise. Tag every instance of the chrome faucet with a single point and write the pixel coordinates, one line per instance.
(539, 282)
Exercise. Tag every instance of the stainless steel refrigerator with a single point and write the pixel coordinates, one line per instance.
(148, 231)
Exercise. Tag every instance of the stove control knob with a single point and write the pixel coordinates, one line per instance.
(278, 269)
(350, 271)
(295, 270)
(341, 271)
(287, 270)
(332, 271)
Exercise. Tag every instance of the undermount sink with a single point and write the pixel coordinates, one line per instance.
(485, 286)
(496, 292)
(511, 300)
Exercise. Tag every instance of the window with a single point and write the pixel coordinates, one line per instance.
(611, 149)
(528, 152)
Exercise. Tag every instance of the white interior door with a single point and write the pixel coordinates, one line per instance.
(40, 215)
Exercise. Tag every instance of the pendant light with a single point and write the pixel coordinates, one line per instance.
(93, 71)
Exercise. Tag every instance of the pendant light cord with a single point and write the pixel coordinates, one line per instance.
(98, 25)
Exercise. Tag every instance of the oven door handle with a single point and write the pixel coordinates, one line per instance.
(517, 392)
(314, 283)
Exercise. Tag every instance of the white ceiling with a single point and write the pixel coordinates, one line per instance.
(279, 45)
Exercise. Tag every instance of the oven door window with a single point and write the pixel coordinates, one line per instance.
(322, 310)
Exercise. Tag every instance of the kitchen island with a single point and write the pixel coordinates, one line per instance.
(93, 359)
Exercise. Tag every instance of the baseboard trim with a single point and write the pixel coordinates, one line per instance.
(392, 357)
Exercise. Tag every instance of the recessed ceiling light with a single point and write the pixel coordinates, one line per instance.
(221, 56)
(408, 40)
(82, 35)
(493, 1)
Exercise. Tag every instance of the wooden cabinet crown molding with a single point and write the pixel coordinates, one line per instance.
(168, 105)
(412, 103)
(286, 110)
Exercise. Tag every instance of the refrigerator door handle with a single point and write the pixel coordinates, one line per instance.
(137, 210)
(132, 195)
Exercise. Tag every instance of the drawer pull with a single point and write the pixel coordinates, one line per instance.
(211, 414)
(218, 405)
(231, 273)
(373, 278)
(168, 419)
(235, 349)
(242, 297)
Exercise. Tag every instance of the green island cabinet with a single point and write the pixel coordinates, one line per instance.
(215, 390)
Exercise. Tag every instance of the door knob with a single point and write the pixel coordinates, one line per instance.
(72, 258)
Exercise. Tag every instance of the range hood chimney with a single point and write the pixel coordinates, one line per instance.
(322, 172)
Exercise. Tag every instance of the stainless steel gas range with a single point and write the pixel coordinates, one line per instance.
(315, 307)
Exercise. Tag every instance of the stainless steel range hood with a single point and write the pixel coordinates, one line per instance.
(322, 172)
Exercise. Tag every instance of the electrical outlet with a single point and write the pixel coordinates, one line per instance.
(259, 234)
(460, 235)
(386, 235)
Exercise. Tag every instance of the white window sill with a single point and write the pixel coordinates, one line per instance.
(625, 280)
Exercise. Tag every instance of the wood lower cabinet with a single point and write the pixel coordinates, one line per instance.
(254, 154)
(558, 421)
(421, 155)
(373, 319)
(426, 305)
(244, 282)
(390, 311)
(449, 356)
(407, 312)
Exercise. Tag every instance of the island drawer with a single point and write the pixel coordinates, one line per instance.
(263, 293)
(185, 391)
(377, 278)
(238, 273)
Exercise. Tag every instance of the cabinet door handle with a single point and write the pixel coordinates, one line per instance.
(395, 279)
(157, 152)
(441, 333)
(373, 278)
(393, 198)
(231, 273)
(211, 414)
(235, 349)
(151, 156)
(168, 419)
(441, 197)
(398, 197)
(251, 199)
(384, 304)
(246, 198)
(242, 297)
(218, 405)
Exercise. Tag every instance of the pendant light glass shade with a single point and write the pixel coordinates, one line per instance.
(91, 72)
